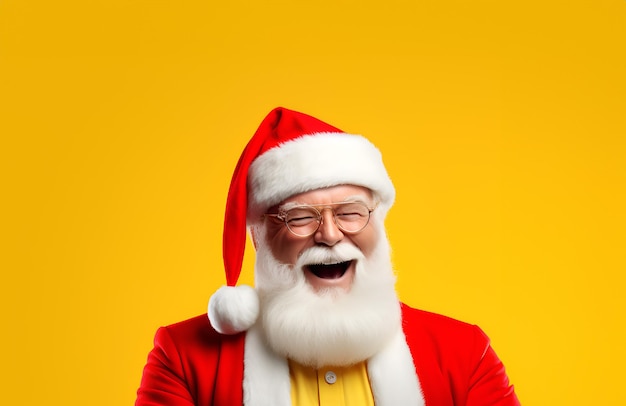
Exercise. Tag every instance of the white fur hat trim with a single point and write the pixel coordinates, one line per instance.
(233, 309)
(312, 162)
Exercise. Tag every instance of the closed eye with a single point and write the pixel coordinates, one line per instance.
(301, 221)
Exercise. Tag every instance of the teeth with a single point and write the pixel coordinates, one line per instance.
(329, 271)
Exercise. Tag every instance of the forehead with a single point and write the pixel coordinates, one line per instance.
(334, 194)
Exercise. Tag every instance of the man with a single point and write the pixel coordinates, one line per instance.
(323, 325)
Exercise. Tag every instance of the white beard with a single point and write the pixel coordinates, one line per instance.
(334, 326)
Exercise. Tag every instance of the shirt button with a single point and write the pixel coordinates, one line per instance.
(330, 377)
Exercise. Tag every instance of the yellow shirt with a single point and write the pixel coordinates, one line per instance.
(336, 386)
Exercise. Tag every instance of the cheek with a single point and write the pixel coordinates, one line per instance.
(286, 248)
(367, 240)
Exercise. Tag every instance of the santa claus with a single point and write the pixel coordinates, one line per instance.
(323, 324)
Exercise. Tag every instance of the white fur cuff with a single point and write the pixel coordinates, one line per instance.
(233, 309)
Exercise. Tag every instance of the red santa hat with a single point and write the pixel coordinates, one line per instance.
(290, 153)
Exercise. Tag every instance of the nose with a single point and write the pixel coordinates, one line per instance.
(328, 233)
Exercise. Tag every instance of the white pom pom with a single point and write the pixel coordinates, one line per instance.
(233, 309)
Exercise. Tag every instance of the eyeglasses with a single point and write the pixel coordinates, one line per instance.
(304, 221)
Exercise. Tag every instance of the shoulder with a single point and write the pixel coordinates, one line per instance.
(187, 360)
(197, 326)
(441, 334)
(454, 360)
(194, 347)
(194, 335)
(424, 322)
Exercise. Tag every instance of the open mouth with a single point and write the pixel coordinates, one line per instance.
(329, 271)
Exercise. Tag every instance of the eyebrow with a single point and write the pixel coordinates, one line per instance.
(349, 199)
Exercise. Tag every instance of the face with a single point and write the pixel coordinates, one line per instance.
(329, 298)
(287, 247)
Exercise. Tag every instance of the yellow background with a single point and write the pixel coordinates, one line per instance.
(502, 125)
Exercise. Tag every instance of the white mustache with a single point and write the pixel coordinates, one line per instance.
(341, 252)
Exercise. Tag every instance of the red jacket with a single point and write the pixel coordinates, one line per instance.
(193, 365)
